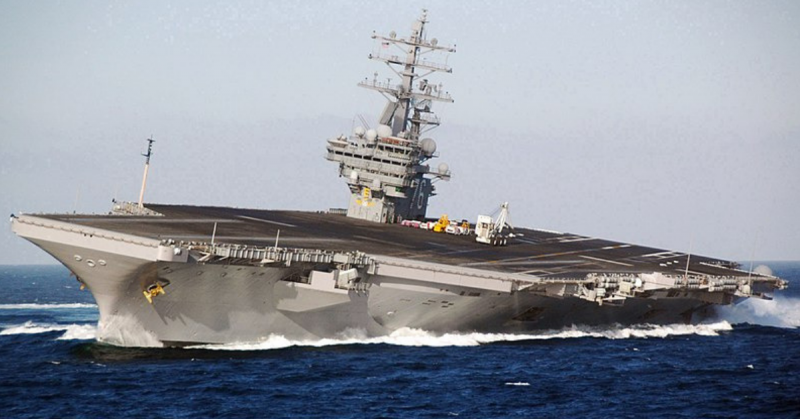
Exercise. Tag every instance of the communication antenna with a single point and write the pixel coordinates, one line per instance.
(147, 155)
(77, 199)
(688, 259)
(364, 122)
(752, 259)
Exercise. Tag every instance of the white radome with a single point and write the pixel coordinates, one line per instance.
(384, 131)
(428, 146)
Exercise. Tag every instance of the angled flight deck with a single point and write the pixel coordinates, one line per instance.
(540, 253)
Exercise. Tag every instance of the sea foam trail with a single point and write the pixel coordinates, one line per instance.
(35, 306)
(400, 337)
(780, 312)
(417, 337)
(71, 331)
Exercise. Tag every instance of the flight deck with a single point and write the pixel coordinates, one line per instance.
(539, 253)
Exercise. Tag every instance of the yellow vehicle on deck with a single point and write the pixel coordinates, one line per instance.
(442, 224)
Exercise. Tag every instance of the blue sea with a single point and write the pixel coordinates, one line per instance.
(745, 363)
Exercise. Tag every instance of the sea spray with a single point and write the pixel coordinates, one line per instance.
(781, 312)
(416, 337)
(125, 331)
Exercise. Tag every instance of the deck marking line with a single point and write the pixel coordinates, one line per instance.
(605, 260)
(267, 221)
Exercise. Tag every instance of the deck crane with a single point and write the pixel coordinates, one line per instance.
(494, 232)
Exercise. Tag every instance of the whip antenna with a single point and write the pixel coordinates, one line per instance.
(147, 155)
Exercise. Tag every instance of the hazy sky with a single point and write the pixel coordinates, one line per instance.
(671, 124)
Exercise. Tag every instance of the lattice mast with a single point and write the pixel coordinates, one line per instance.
(409, 108)
(384, 167)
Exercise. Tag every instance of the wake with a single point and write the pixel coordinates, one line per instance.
(418, 338)
(71, 331)
(118, 331)
(781, 312)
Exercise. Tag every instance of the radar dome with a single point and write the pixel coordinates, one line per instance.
(371, 135)
(444, 168)
(763, 270)
(428, 146)
(359, 132)
(384, 131)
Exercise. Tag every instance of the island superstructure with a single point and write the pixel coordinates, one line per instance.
(179, 275)
(385, 167)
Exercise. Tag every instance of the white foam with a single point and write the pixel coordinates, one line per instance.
(416, 337)
(126, 331)
(780, 312)
(34, 306)
(71, 331)
(80, 332)
(519, 383)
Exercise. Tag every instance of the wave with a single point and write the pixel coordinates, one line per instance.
(35, 306)
(416, 337)
(71, 331)
(781, 312)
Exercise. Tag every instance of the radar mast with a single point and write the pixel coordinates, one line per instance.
(409, 107)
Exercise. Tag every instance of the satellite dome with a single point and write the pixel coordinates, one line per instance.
(444, 168)
(763, 270)
(384, 131)
(359, 132)
(428, 146)
(371, 135)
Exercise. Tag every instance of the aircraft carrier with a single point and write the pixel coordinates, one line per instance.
(177, 275)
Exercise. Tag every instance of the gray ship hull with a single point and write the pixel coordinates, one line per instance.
(233, 300)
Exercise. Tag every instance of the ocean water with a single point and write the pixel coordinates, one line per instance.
(745, 363)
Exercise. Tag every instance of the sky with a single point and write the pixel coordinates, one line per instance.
(673, 124)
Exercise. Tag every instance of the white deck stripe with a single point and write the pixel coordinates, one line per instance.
(605, 260)
(161, 220)
(267, 221)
